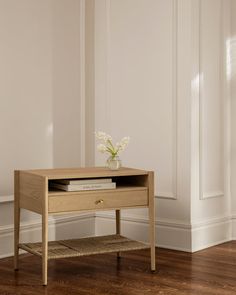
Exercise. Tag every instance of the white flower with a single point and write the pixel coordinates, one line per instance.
(107, 145)
(125, 141)
(100, 134)
(102, 148)
(103, 136)
(122, 144)
(107, 137)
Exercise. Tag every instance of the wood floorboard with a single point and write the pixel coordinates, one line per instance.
(207, 272)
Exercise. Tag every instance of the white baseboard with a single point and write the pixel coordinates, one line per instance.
(234, 226)
(6, 199)
(170, 234)
(211, 232)
(60, 227)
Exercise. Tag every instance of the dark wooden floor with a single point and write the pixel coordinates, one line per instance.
(211, 271)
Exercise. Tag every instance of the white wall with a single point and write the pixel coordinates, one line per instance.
(66, 72)
(161, 78)
(210, 163)
(89, 82)
(26, 88)
(232, 71)
(139, 47)
(40, 94)
(155, 70)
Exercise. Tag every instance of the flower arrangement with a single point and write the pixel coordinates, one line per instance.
(107, 145)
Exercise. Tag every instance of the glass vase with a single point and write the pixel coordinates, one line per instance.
(114, 163)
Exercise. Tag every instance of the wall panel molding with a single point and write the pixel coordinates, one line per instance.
(215, 193)
(107, 107)
(108, 63)
(82, 84)
(173, 194)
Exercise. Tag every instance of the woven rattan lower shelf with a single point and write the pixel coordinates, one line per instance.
(85, 246)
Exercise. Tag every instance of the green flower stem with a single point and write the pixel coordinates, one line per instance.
(111, 149)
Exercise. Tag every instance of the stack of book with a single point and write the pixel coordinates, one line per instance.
(71, 185)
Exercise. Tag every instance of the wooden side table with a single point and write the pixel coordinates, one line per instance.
(135, 189)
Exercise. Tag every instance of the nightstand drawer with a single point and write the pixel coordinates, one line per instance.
(98, 200)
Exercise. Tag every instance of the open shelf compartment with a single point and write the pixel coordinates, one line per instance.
(85, 246)
(121, 183)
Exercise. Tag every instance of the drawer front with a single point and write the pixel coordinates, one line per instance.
(97, 200)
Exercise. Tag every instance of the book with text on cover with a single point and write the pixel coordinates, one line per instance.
(84, 181)
(83, 187)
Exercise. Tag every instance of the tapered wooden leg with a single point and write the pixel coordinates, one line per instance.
(16, 238)
(16, 220)
(152, 239)
(118, 227)
(152, 221)
(45, 248)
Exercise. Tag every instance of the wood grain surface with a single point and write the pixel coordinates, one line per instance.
(211, 271)
(91, 172)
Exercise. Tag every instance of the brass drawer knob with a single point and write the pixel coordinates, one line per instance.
(99, 202)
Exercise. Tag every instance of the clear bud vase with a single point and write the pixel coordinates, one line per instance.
(114, 163)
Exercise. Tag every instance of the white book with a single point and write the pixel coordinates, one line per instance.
(83, 181)
(83, 187)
